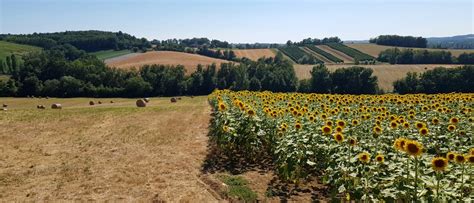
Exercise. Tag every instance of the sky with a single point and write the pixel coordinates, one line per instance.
(242, 21)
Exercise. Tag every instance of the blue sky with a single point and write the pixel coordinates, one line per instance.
(242, 20)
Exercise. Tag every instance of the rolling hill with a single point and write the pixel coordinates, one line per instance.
(374, 49)
(8, 48)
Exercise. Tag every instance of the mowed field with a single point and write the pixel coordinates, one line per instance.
(254, 54)
(386, 74)
(374, 49)
(8, 48)
(103, 152)
(189, 61)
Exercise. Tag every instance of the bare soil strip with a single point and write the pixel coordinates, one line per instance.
(336, 53)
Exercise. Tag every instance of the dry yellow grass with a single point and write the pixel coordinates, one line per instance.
(189, 61)
(374, 49)
(386, 74)
(110, 151)
(254, 54)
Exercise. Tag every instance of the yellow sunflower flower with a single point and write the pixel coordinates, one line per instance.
(413, 148)
(439, 164)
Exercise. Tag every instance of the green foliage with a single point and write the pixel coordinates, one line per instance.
(299, 56)
(321, 81)
(466, 58)
(89, 41)
(438, 80)
(354, 53)
(410, 56)
(352, 80)
(325, 54)
(401, 41)
(8, 48)
(237, 188)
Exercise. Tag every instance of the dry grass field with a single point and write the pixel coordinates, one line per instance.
(336, 53)
(374, 49)
(254, 54)
(103, 152)
(385, 73)
(189, 61)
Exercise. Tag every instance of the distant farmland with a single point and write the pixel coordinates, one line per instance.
(374, 49)
(254, 54)
(385, 73)
(8, 48)
(107, 54)
(189, 61)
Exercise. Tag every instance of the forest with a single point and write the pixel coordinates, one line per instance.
(401, 41)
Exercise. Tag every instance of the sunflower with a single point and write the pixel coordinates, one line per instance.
(399, 144)
(460, 158)
(393, 124)
(435, 121)
(377, 130)
(380, 158)
(298, 125)
(470, 159)
(439, 164)
(339, 137)
(419, 125)
(413, 148)
(454, 120)
(251, 112)
(424, 131)
(406, 125)
(326, 129)
(225, 128)
(329, 123)
(471, 151)
(222, 106)
(451, 127)
(355, 122)
(450, 156)
(341, 123)
(364, 157)
(352, 141)
(339, 129)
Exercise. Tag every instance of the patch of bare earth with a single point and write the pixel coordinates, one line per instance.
(115, 152)
(254, 54)
(189, 61)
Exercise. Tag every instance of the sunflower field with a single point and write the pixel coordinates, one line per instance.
(364, 147)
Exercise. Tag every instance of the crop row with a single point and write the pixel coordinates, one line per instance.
(325, 54)
(354, 53)
(299, 56)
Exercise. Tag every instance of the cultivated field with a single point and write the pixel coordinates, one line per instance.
(103, 152)
(386, 74)
(254, 54)
(107, 54)
(336, 53)
(374, 49)
(189, 61)
(7, 49)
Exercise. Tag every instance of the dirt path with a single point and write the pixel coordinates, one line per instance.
(119, 152)
(336, 53)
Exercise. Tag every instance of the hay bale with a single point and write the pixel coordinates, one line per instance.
(179, 98)
(4, 109)
(4, 105)
(47, 97)
(40, 107)
(173, 100)
(141, 103)
(111, 102)
(91, 103)
(146, 100)
(100, 102)
(56, 106)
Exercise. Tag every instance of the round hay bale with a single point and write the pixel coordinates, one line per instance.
(4, 109)
(100, 102)
(141, 103)
(91, 103)
(146, 100)
(179, 98)
(173, 100)
(111, 102)
(40, 107)
(56, 106)
(4, 105)
(47, 97)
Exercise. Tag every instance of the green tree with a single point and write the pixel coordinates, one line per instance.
(320, 79)
(254, 84)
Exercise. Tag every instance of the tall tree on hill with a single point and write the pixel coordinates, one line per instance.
(9, 63)
(14, 62)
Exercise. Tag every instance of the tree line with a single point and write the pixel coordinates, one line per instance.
(401, 41)
(438, 80)
(314, 41)
(411, 56)
(89, 41)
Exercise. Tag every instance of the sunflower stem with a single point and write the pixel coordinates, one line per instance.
(416, 179)
(437, 187)
(462, 180)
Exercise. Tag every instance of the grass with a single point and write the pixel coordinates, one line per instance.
(238, 188)
(8, 48)
(107, 54)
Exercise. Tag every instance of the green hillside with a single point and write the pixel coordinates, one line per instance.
(8, 48)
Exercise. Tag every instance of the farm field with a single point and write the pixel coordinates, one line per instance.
(318, 56)
(364, 147)
(374, 49)
(7, 48)
(254, 54)
(102, 55)
(345, 58)
(386, 73)
(189, 61)
(103, 152)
